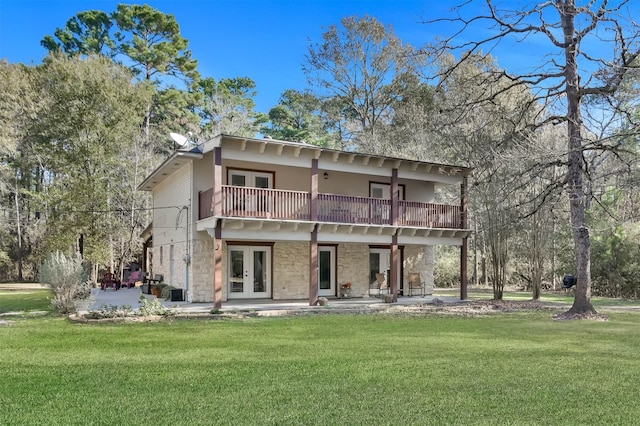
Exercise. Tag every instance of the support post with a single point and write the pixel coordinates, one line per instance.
(216, 209)
(217, 272)
(313, 267)
(395, 195)
(395, 273)
(313, 244)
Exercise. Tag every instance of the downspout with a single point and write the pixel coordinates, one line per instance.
(187, 254)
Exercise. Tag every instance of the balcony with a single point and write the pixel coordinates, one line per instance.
(279, 204)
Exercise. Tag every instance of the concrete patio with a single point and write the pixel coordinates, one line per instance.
(131, 297)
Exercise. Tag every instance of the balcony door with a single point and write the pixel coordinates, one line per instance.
(383, 191)
(326, 271)
(250, 202)
(249, 275)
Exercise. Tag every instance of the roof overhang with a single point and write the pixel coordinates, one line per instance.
(175, 161)
(297, 149)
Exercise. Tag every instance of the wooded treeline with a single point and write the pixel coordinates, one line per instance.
(80, 131)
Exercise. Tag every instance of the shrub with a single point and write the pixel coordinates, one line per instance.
(109, 311)
(84, 290)
(166, 292)
(65, 277)
(447, 268)
(153, 307)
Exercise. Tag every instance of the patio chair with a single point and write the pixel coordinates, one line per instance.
(109, 280)
(416, 285)
(380, 284)
(133, 278)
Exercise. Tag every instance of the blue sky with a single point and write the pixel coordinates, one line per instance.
(264, 40)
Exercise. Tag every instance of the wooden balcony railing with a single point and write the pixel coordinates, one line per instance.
(295, 205)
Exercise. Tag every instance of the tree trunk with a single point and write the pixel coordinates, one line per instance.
(19, 230)
(575, 175)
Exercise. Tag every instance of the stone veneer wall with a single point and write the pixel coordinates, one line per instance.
(353, 267)
(290, 270)
(420, 259)
(201, 289)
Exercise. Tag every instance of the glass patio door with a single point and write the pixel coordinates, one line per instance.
(380, 262)
(326, 271)
(249, 276)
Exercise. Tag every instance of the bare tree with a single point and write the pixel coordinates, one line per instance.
(356, 65)
(575, 69)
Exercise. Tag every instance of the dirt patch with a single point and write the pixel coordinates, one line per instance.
(569, 316)
(471, 309)
(475, 308)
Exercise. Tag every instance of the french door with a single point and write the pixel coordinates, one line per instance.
(249, 274)
(326, 271)
(250, 201)
(383, 191)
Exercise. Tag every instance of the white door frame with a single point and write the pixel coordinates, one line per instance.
(252, 179)
(242, 269)
(385, 264)
(331, 290)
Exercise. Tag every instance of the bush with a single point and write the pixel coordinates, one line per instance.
(153, 307)
(65, 277)
(447, 268)
(84, 290)
(109, 311)
(166, 292)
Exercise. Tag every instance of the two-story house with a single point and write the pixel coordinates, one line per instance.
(242, 218)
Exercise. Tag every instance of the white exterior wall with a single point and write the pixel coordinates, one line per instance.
(169, 197)
(203, 174)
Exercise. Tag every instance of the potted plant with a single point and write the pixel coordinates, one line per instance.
(345, 290)
(156, 290)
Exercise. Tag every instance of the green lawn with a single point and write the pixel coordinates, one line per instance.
(559, 297)
(510, 369)
(25, 300)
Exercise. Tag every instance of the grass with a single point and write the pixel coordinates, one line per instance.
(25, 300)
(511, 369)
(565, 298)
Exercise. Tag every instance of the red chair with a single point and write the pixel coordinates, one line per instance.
(135, 276)
(109, 280)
